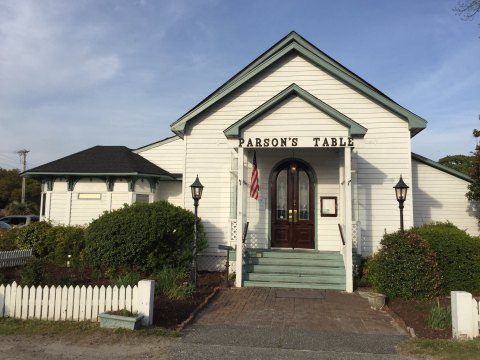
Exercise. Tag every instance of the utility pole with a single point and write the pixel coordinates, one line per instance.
(23, 159)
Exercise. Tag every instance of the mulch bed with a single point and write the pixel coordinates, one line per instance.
(415, 315)
(172, 314)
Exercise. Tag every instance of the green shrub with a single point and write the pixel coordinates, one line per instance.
(52, 243)
(440, 317)
(173, 283)
(8, 240)
(404, 267)
(38, 237)
(128, 278)
(69, 244)
(34, 272)
(457, 254)
(142, 237)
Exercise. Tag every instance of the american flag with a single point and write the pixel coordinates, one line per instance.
(254, 178)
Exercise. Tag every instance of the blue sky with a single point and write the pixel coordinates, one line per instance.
(74, 74)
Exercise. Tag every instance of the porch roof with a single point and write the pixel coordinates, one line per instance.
(354, 128)
(101, 161)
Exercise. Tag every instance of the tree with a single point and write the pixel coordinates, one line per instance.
(461, 163)
(474, 187)
(467, 9)
(11, 188)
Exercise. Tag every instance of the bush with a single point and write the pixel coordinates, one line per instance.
(38, 237)
(143, 237)
(52, 243)
(8, 240)
(404, 267)
(457, 254)
(129, 278)
(172, 284)
(34, 273)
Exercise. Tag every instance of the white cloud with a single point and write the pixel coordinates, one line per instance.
(43, 52)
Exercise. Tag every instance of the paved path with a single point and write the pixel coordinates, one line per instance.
(262, 323)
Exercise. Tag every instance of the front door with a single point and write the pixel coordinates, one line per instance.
(293, 224)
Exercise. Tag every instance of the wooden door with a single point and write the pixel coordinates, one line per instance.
(293, 224)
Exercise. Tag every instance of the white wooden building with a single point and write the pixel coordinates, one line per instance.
(329, 149)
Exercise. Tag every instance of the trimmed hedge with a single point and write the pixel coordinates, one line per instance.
(143, 237)
(8, 239)
(457, 254)
(52, 243)
(404, 267)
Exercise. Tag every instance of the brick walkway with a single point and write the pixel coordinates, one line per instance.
(311, 310)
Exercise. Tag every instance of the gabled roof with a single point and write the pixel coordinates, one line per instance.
(156, 143)
(354, 128)
(295, 43)
(441, 167)
(101, 160)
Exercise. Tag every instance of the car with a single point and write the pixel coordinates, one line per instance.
(4, 225)
(16, 220)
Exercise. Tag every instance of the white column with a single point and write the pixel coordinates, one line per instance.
(42, 215)
(146, 290)
(348, 219)
(48, 205)
(109, 200)
(239, 252)
(68, 210)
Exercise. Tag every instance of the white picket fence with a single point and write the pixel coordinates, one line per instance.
(465, 315)
(75, 303)
(14, 258)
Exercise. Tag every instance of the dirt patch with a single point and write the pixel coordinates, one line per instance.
(84, 347)
(171, 313)
(415, 315)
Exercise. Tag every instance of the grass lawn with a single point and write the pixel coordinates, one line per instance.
(442, 349)
(73, 329)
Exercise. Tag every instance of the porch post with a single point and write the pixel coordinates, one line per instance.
(239, 251)
(348, 219)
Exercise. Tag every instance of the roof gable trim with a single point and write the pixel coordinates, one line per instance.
(441, 167)
(293, 42)
(354, 128)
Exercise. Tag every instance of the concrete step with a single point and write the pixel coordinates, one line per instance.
(300, 254)
(297, 262)
(297, 278)
(288, 269)
(293, 285)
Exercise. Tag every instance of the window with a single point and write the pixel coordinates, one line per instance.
(282, 195)
(142, 198)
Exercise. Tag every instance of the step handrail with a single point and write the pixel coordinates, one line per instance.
(341, 234)
(245, 230)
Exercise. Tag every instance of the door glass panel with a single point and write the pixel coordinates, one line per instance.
(282, 195)
(303, 198)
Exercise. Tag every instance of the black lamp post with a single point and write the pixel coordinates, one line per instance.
(197, 189)
(401, 194)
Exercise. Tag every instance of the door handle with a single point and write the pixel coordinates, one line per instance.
(295, 215)
(290, 216)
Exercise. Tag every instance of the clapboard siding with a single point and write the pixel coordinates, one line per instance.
(439, 196)
(120, 198)
(66, 207)
(58, 206)
(382, 156)
(168, 155)
(84, 211)
(295, 117)
(170, 191)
